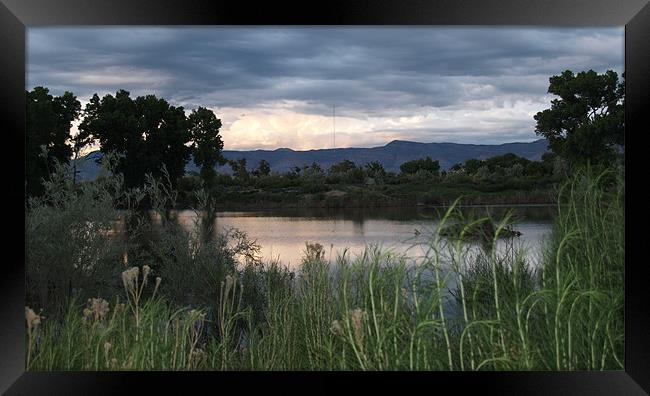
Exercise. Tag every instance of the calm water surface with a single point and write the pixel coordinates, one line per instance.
(282, 234)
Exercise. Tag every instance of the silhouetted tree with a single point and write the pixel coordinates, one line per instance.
(263, 168)
(506, 161)
(458, 167)
(204, 128)
(147, 132)
(49, 119)
(343, 166)
(586, 123)
(471, 166)
(427, 164)
(239, 168)
(315, 168)
(375, 169)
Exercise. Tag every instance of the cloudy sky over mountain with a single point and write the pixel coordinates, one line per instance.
(275, 87)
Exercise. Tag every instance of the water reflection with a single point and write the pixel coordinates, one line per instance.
(282, 234)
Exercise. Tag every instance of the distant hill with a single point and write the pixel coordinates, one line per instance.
(391, 155)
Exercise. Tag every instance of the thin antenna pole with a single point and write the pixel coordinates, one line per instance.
(334, 126)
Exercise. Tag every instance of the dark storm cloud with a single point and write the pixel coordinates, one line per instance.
(366, 71)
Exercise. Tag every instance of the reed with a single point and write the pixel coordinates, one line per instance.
(457, 307)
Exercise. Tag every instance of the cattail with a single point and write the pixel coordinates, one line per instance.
(33, 320)
(336, 328)
(357, 316)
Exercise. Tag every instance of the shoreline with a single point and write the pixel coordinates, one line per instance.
(254, 207)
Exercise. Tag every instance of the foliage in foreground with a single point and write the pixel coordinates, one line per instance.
(460, 308)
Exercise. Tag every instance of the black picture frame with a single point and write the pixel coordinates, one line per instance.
(17, 15)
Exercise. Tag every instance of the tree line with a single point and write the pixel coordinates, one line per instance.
(584, 125)
(147, 133)
(424, 170)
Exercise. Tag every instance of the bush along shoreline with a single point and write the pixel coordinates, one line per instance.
(202, 300)
(359, 187)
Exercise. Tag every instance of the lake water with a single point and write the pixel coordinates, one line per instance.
(282, 234)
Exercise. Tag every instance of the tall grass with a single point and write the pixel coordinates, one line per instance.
(457, 308)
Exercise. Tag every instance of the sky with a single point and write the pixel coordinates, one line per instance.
(276, 87)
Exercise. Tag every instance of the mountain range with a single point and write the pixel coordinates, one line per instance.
(391, 156)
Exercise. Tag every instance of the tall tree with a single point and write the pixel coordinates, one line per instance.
(505, 161)
(148, 132)
(239, 168)
(263, 168)
(586, 123)
(49, 120)
(427, 164)
(204, 129)
(472, 165)
(113, 121)
(343, 166)
(167, 136)
(375, 169)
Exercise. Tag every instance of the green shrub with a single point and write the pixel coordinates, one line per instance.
(71, 251)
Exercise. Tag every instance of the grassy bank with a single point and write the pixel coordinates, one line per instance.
(321, 190)
(345, 197)
(189, 306)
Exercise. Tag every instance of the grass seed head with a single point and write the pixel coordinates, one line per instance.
(107, 347)
(87, 314)
(99, 308)
(230, 281)
(356, 316)
(155, 289)
(405, 294)
(129, 278)
(146, 270)
(33, 320)
(197, 357)
(336, 328)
